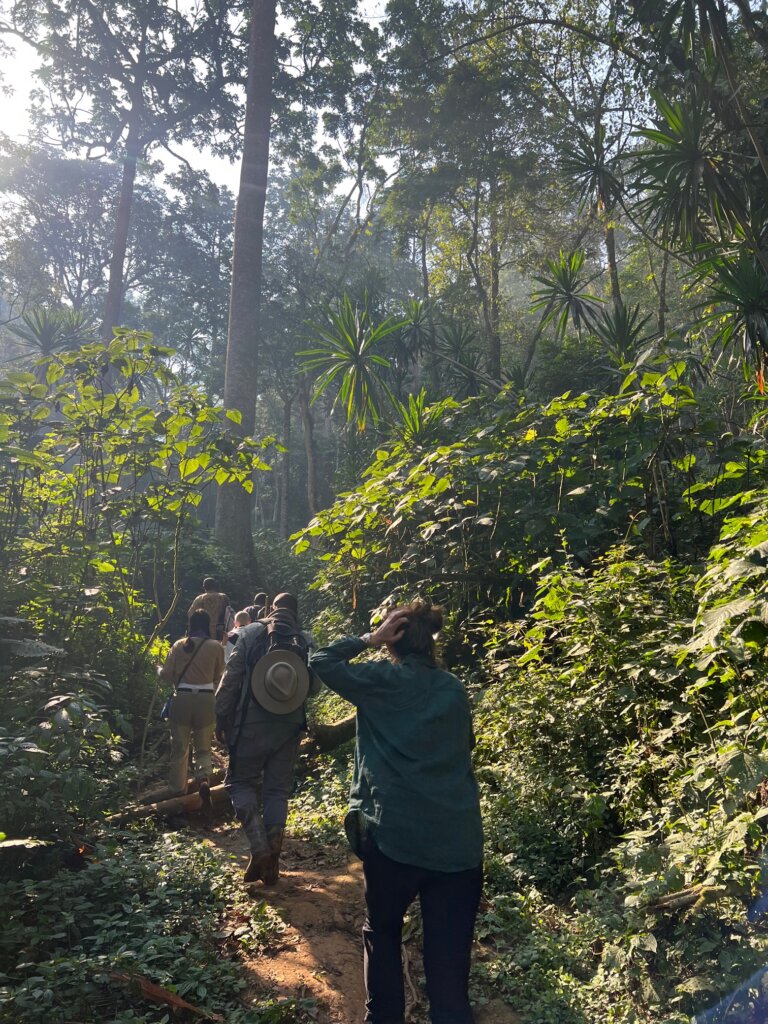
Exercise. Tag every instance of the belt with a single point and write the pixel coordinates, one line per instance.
(188, 688)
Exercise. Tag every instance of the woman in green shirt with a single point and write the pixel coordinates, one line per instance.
(414, 811)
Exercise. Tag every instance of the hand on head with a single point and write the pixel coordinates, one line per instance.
(391, 629)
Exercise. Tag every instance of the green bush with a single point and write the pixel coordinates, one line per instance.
(164, 908)
(60, 747)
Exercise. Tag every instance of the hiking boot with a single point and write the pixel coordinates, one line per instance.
(205, 795)
(258, 867)
(275, 835)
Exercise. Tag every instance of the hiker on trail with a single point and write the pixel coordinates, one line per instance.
(258, 610)
(215, 604)
(414, 811)
(241, 619)
(260, 717)
(194, 666)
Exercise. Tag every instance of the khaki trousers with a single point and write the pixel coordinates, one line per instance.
(192, 715)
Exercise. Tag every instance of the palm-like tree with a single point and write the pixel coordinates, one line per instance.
(46, 331)
(686, 193)
(622, 334)
(458, 349)
(419, 423)
(417, 331)
(564, 297)
(588, 163)
(347, 352)
(739, 296)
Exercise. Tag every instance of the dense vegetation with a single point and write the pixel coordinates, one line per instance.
(497, 336)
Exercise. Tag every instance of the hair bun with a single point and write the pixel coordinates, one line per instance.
(435, 618)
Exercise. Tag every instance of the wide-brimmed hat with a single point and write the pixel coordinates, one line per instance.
(280, 681)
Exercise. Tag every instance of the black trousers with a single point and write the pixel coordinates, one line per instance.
(449, 902)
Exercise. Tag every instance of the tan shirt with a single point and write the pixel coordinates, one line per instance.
(213, 602)
(205, 670)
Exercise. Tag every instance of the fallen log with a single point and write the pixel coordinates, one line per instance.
(159, 793)
(188, 803)
(159, 994)
(323, 737)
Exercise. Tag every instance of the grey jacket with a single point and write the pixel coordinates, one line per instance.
(234, 688)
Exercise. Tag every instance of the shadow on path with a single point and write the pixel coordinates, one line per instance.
(320, 897)
(320, 955)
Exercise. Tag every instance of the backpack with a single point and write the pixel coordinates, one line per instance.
(282, 633)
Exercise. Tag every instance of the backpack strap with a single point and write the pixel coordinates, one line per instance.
(195, 653)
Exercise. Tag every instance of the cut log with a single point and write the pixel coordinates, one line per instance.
(160, 793)
(324, 737)
(188, 803)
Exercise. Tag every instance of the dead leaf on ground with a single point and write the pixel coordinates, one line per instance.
(158, 994)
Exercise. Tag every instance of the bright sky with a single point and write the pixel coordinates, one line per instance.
(18, 71)
(18, 75)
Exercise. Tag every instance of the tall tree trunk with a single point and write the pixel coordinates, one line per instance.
(218, 342)
(494, 341)
(309, 448)
(114, 301)
(285, 469)
(233, 519)
(663, 294)
(434, 369)
(473, 259)
(613, 266)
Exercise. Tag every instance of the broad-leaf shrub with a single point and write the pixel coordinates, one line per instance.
(468, 520)
(623, 759)
(127, 449)
(622, 747)
(60, 747)
(163, 908)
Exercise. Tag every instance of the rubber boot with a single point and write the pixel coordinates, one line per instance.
(275, 835)
(258, 867)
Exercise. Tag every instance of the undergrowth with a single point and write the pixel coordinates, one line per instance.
(164, 909)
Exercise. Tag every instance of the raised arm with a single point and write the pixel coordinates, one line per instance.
(357, 682)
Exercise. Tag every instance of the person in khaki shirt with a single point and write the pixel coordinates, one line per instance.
(194, 665)
(215, 604)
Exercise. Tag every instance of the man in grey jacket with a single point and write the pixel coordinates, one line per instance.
(260, 717)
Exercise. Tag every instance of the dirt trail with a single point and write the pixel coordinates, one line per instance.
(320, 897)
(319, 957)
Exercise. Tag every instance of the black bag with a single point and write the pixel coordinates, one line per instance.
(283, 634)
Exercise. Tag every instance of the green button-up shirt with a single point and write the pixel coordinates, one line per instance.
(413, 787)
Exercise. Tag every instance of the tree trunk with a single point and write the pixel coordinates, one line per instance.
(434, 369)
(329, 735)
(285, 469)
(663, 294)
(114, 301)
(613, 267)
(309, 448)
(494, 341)
(185, 804)
(233, 507)
(473, 259)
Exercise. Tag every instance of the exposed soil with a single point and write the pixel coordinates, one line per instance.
(320, 897)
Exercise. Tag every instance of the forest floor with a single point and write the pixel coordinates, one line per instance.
(319, 955)
(318, 958)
